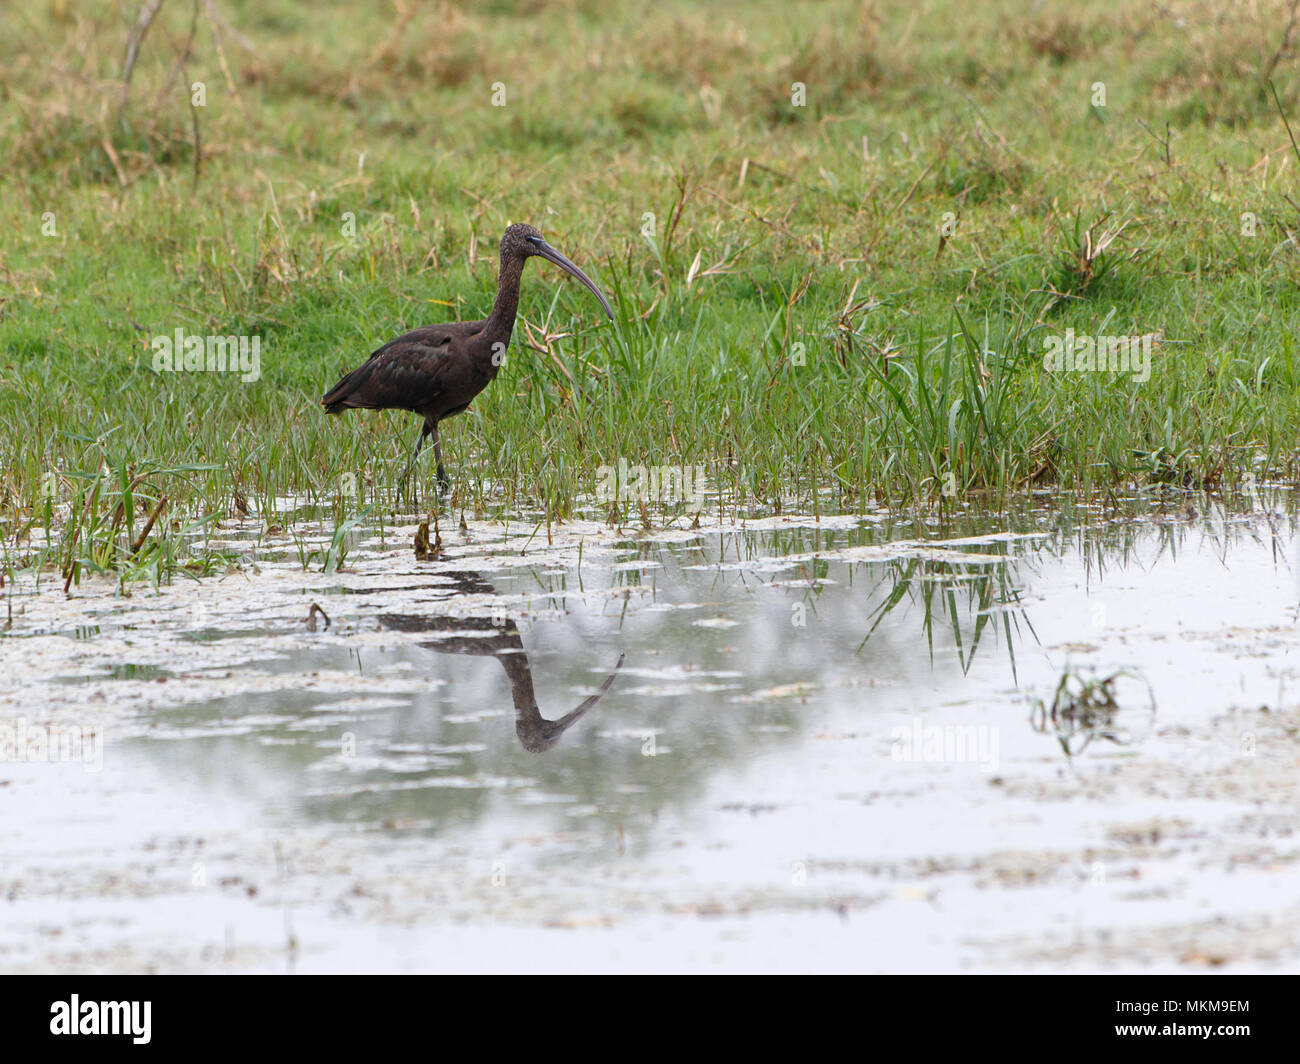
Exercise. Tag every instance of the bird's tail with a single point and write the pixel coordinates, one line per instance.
(343, 396)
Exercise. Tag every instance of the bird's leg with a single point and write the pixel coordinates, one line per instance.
(444, 481)
(416, 453)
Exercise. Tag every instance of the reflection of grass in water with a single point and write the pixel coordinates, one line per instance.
(1084, 709)
(936, 586)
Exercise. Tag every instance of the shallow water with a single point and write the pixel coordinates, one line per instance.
(821, 751)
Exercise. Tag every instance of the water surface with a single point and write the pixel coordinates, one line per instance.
(823, 750)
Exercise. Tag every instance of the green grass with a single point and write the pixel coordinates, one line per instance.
(839, 304)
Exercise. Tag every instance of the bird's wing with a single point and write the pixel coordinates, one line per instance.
(406, 374)
(432, 336)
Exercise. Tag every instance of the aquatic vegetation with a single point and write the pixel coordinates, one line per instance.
(841, 248)
(1084, 709)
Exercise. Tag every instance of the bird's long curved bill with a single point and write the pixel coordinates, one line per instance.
(559, 727)
(547, 252)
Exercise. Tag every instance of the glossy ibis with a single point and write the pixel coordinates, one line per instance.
(437, 371)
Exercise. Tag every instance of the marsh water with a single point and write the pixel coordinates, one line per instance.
(790, 743)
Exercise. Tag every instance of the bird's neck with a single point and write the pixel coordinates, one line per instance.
(502, 319)
(530, 726)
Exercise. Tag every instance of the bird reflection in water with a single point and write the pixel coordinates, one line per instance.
(485, 636)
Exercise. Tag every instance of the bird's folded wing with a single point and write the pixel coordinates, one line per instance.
(402, 375)
(426, 336)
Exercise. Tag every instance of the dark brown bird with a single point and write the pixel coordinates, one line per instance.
(437, 371)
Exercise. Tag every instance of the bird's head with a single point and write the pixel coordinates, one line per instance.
(522, 240)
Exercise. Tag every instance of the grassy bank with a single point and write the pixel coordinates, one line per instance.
(826, 300)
